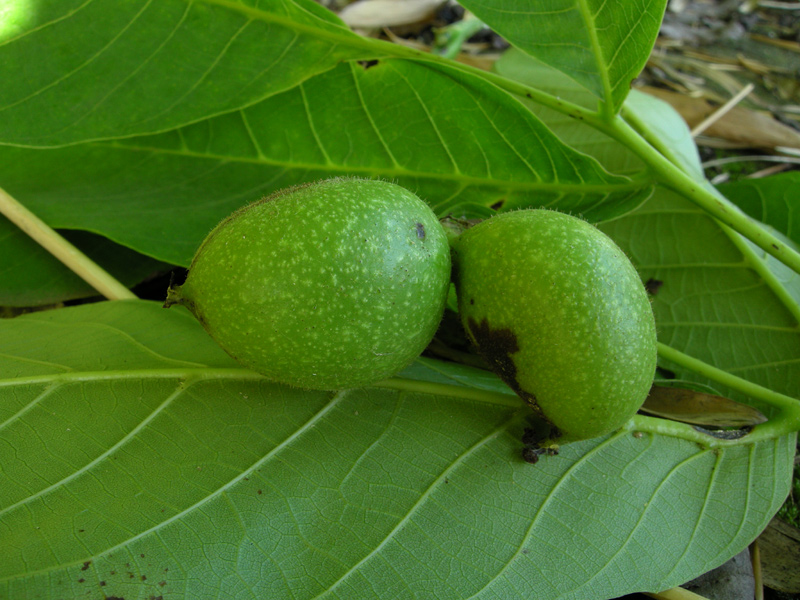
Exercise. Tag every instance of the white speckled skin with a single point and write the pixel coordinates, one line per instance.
(331, 285)
(572, 303)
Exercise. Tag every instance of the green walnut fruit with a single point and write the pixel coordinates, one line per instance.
(330, 285)
(560, 314)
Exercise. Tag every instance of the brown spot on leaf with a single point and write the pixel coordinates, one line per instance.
(81, 580)
(86, 565)
(652, 286)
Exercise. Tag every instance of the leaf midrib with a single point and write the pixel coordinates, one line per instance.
(190, 376)
(622, 183)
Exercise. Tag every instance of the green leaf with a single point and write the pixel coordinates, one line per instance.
(718, 298)
(771, 200)
(139, 460)
(601, 45)
(33, 277)
(455, 140)
(657, 119)
(115, 68)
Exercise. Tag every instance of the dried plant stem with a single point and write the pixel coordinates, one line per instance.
(59, 247)
(722, 111)
(755, 559)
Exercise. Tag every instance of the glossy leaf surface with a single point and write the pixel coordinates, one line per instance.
(601, 45)
(771, 200)
(114, 68)
(458, 142)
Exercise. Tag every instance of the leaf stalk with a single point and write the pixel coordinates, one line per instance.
(58, 246)
(786, 421)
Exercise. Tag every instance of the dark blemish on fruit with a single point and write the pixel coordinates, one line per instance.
(472, 301)
(496, 347)
(368, 64)
(259, 492)
(420, 230)
(81, 580)
(141, 556)
(113, 573)
(102, 584)
(86, 565)
(652, 286)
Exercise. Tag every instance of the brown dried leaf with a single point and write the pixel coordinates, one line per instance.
(698, 408)
(744, 127)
